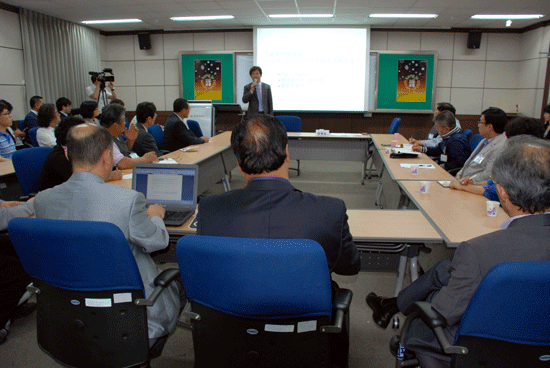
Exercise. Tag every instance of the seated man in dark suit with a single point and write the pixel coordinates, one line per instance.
(454, 148)
(522, 174)
(63, 105)
(269, 206)
(145, 142)
(176, 133)
(32, 116)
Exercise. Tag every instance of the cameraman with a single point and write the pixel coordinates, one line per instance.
(93, 93)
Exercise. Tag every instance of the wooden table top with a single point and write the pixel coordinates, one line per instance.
(372, 226)
(457, 215)
(6, 168)
(393, 165)
(386, 225)
(216, 144)
(312, 135)
(381, 141)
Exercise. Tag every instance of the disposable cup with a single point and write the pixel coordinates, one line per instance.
(492, 208)
(424, 186)
(414, 169)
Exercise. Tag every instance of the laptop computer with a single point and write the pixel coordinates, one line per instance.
(172, 185)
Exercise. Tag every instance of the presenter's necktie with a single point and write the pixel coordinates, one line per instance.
(259, 89)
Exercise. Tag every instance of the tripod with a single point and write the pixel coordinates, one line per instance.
(102, 96)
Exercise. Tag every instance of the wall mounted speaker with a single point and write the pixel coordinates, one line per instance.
(474, 40)
(144, 41)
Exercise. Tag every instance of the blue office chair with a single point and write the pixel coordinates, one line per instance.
(263, 303)
(91, 307)
(32, 136)
(506, 322)
(28, 165)
(292, 124)
(468, 133)
(156, 131)
(195, 128)
(474, 142)
(394, 126)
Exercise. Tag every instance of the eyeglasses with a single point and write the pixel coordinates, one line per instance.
(480, 123)
(7, 113)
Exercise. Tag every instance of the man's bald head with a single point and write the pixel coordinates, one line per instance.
(86, 143)
(260, 144)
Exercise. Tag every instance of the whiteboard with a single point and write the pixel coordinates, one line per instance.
(203, 113)
(243, 63)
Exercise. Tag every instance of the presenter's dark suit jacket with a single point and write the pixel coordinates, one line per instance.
(525, 239)
(177, 135)
(252, 99)
(273, 208)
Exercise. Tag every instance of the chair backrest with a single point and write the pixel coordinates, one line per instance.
(291, 123)
(88, 280)
(275, 290)
(394, 126)
(156, 131)
(28, 165)
(195, 127)
(475, 141)
(506, 322)
(32, 136)
(468, 133)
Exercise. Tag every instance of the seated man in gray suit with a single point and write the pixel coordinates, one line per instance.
(522, 174)
(270, 207)
(86, 197)
(477, 167)
(146, 114)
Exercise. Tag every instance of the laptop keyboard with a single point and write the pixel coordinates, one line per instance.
(175, 215)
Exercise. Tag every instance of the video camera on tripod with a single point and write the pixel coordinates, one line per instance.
(102, 78)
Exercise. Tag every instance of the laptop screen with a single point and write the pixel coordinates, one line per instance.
(166, 184)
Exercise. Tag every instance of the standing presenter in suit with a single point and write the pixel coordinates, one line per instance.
(258, 94)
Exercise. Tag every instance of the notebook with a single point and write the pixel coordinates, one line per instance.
(172, 185)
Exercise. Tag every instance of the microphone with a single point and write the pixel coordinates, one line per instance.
(255, 80)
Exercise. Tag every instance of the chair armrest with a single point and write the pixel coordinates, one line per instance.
(436, 322)
(342, 300)
(166, 277)
(162, 281)
(340, 303)
(430, 316)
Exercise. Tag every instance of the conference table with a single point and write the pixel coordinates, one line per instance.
(215, 160)
(330, 147)
(385, 239)
(9, 186)
(457, 215)
(392, 170)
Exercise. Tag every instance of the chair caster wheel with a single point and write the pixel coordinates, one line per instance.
(395, 322)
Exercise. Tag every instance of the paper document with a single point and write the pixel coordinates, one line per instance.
(346, 134)
(420, 166)
(168, 161)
